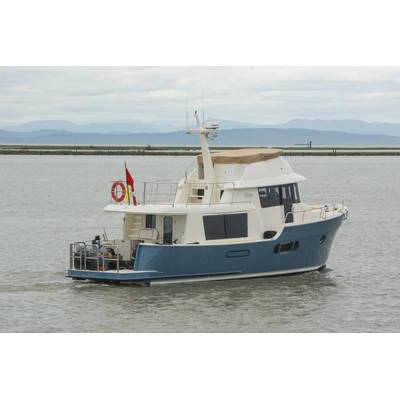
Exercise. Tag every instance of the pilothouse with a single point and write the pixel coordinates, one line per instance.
(236, 214)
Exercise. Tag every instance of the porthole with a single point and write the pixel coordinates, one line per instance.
(286, 247)
(322, 239)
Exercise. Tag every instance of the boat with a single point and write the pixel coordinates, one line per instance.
(235, 214)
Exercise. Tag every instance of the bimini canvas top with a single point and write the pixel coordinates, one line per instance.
(242, 156)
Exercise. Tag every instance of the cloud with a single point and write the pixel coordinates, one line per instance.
(162, 94)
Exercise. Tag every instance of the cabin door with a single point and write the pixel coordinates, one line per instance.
(167, 230)
(287, 204)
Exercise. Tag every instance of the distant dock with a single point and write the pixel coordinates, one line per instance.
(115, 150)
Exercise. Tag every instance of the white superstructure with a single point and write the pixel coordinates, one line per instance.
(229, 182)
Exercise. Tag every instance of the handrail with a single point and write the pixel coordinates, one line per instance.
(151, 189)
(310, 209)
(80, 250)
(154, 192)
(324, 210)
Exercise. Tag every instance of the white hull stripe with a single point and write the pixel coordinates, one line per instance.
(235, 276)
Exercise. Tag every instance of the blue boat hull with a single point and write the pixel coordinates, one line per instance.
(310, 246)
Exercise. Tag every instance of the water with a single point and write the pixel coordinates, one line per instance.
(47, 202)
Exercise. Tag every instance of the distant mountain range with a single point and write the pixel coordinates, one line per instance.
(344, 125)
(339, 125)
(116, 128)
(107, 127)
(228, 137)
(297, 131)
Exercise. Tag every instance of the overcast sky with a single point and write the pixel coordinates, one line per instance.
(162, 94)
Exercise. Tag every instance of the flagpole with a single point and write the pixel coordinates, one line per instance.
(127, 187)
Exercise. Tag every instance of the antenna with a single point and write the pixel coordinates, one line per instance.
(202, 101)
(196, 115)
(209, 130)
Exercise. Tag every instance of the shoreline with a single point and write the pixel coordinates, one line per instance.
(117, 150)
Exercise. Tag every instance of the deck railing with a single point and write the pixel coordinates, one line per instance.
(89, 256)
(165, 193)
(320, 212)
(159, 192)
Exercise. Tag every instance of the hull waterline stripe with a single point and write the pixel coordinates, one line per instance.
(236, 276)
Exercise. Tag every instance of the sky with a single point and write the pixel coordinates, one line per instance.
(161, 95)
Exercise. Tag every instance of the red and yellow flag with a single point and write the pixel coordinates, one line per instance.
(130, 184)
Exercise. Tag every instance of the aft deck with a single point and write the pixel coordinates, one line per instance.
(104, 257)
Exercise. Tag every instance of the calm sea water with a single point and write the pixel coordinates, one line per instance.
(49, 201)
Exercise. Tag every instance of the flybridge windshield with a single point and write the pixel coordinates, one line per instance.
(272, 196)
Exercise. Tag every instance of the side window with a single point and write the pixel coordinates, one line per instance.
(294, 193)
(235, 225)
(272, 196)
(269, 196)
(150, 221)
(285, 193)
(167, 230)
(214, 227)
(262, 194)
(296, 188)
(227, 226)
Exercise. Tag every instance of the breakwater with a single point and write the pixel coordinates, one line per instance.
(186, 150)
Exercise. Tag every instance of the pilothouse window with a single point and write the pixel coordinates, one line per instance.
(272, 196)
(226, 226)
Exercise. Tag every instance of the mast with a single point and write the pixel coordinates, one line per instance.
(206, 131)
(209, 173)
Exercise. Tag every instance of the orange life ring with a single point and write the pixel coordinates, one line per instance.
(116, 187)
